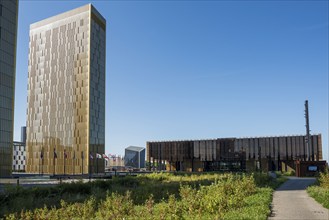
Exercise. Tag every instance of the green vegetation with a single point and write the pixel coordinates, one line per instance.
(320, 191)
(153, 196)
(287, 173)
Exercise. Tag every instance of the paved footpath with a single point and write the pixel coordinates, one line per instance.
(291, 201)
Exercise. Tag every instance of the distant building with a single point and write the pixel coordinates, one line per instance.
(19, 157)
(66, 93)
(135, 157)
(8, 38)
(114, 162)
(23, 134)
(19, 153)
(260, 153)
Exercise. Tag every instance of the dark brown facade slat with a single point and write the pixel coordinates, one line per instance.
(206, 154)
(314, 143)
(319, 148)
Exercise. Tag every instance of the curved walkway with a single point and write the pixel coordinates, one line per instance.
(291, 201)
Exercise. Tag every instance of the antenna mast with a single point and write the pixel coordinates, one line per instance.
(308, 140)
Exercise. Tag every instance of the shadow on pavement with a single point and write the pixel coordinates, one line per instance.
(296, 183)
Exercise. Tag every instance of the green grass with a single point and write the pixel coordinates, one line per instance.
(154, 196)
(320, 191)
(287, 173)
(320, 194)
(257, 206)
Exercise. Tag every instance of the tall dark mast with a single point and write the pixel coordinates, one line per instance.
(308, 139)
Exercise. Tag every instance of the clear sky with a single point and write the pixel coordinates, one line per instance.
(180, 70)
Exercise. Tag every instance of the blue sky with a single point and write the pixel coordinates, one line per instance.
(180, 70)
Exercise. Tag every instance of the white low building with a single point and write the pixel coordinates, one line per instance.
(19, 156)
(114, 162)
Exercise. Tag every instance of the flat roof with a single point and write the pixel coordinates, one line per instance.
(134, 148)
(235, 138)
(65, 15)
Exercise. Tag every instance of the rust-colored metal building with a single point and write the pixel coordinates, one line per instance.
(265, 153)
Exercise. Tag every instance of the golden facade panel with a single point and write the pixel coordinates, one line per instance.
(66, 85)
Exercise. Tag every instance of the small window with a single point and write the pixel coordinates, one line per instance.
(312, 168)
(0, 10)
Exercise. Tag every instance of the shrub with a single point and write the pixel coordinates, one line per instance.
(324, 179)
(74, 188)
(115, 206)
(256, 206)
(262, 179)
(154, 196)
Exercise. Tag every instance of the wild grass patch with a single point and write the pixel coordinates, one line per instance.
(320, 191)
(155, 196)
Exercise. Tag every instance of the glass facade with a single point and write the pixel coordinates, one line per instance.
(66, 93)
(135, 157)
(8, 36)
(97, 92)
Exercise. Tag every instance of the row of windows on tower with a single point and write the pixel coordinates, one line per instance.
(19, 167)
(19, 158)
(19, 153)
